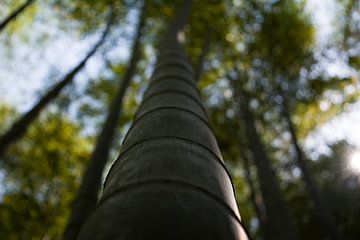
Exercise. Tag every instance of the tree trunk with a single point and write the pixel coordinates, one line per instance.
(14, 14)
(19, 128)
(258, 205)
(321, 209)
(280, 223)
(86, 199)
(254, 197)
(169, 181)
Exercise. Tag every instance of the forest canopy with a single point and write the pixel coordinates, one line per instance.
(100, 96)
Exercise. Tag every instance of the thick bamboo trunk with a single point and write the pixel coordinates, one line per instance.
(169, 181)
(323, 213)
(19, 128)
(280, 223)
(15, 14)
(86, 199)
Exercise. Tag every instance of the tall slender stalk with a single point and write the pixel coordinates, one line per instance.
(86, 199)
(280, 223)
(322, 211)
(15, 14)
(19, 128)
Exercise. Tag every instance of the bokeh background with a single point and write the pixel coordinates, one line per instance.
(302, 52)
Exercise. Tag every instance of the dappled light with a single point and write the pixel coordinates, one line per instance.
(184, 119)
(354, 161)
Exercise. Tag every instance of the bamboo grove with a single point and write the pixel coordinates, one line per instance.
(195, 125)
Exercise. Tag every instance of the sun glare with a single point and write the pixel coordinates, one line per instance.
(354, 161)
